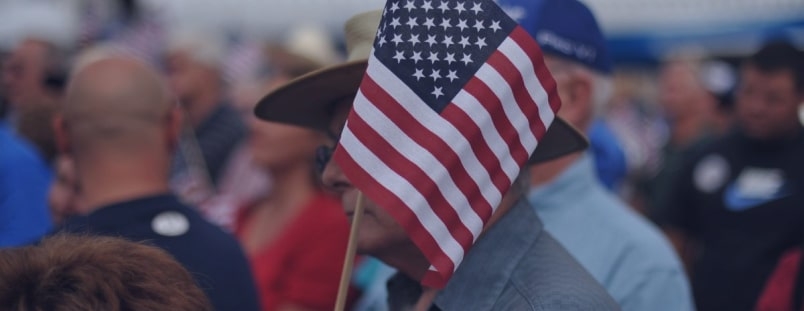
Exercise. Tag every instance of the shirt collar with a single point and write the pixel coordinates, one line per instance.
(120, 214)
(576, 178)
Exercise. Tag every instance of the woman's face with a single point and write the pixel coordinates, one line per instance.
(277, 145)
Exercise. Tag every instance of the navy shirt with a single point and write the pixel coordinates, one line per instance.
(742, 200)
(213, 257)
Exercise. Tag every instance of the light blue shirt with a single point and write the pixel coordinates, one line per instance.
(371, 277)
(622, 250)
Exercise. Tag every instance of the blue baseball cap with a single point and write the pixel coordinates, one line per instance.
(565, 28)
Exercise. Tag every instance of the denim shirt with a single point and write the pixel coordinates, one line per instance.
(515, 265)
(621, 249)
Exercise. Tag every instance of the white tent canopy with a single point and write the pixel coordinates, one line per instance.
(270, 19)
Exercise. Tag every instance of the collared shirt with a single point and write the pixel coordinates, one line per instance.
(622, 250)
(213, 257)
(515, 265)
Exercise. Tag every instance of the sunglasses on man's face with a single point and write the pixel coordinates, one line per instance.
(323, 154)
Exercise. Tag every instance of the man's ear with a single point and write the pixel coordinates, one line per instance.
(577, 108)
(62, 133)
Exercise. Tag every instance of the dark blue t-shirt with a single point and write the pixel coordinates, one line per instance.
(213, 257)
(742, 200)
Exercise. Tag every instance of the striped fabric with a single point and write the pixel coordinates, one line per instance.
(455, 99)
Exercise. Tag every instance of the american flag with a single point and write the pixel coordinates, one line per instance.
(455, 99)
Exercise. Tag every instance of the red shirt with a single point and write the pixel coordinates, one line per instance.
(303, 264)
(779, 290)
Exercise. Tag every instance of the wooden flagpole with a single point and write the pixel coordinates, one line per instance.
(349, 261)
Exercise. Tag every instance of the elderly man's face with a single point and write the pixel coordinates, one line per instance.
(378, 232)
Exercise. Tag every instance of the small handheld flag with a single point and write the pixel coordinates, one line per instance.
(455, 99)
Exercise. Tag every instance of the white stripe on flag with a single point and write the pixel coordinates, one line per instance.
(480, 116)
(423, 159)
(502, 90)
(405, 192)
(411, 102)
(522, 62)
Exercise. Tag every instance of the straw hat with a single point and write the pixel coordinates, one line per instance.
(308, 100)
(308, 47)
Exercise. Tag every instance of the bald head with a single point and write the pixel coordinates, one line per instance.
(118, 102)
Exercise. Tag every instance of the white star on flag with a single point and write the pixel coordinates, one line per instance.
(437, 92)
(462, 24)
(418, 74)
(410, 5)
(445, 23)
(478, 25)
(476, 8)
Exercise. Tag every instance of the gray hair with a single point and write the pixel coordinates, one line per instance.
(602, 84)
(602, 88)
(602, 92)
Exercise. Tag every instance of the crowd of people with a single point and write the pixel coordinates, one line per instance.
(137, 172)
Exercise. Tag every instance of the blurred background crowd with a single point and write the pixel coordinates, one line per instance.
(676, 69)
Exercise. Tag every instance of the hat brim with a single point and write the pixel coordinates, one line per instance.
(308, 102)
(559, 140)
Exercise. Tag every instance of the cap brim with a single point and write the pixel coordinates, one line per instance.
(559, 140)
(308, 102)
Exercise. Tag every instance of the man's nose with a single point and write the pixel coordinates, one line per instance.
(334, 179)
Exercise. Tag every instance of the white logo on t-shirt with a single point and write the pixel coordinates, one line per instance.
(711, 173)
(170, 224)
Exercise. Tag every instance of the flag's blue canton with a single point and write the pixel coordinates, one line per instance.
(436, 46)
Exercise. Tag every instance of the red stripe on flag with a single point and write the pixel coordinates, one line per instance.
(480, 147)
(511, 74)
(405, 217)
(530, 47)
(434, 279)
(430, 142)
(489, 100)
(418, 178)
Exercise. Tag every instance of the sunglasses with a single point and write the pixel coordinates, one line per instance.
(323, 154)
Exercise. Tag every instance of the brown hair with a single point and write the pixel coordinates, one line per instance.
(68, 272)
